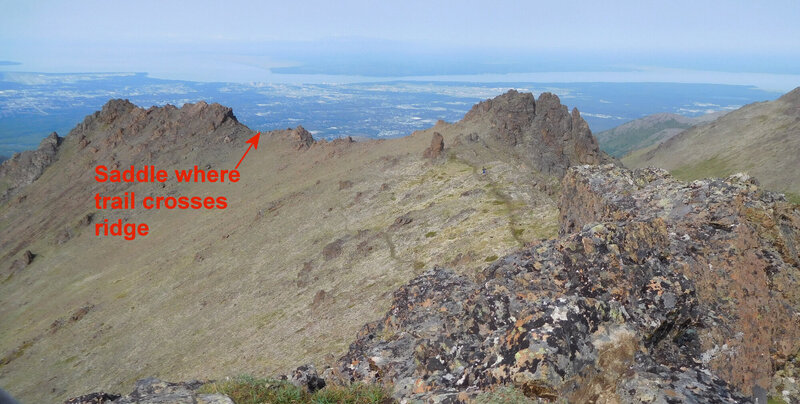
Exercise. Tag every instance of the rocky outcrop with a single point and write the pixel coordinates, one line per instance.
(94, 398)
(118, 136)
(301, 138)
(657, 291)
(435, 149)
(738, 245)
(544, 129)
(152, 391)
(306, 377)
(22, 262)
(24, 168)
(156, 129)
(333, 249)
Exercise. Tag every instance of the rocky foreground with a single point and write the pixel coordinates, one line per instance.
(656, 291)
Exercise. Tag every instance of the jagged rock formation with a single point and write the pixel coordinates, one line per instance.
(118, 136)
(301, 138)
(24, 168)
(657, 291)
(551, 137)
(129, 135)
(435, 149)
(132, 135)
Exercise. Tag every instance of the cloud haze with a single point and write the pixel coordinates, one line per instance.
(171, 38)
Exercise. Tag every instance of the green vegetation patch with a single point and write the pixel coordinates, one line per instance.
(251, 390)
(4, 185)
(543, 230)
(621, 142)
(430, 234)
(491, 258)
(16, 353)
(713, 167)
(793, 198)
(503, 395)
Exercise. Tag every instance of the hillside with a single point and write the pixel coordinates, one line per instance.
(656, 290)
(446, 265)
(316, 237)
(762, 139)
(648, 131)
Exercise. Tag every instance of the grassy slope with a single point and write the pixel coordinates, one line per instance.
(625, 138)
(649, 131)
(762, 139)
(213, 293)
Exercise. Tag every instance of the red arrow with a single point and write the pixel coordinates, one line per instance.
(253, 143)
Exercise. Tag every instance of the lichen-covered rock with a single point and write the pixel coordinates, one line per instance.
(155, 391)
(306, 377)
(657, 291)
(738, 245)
(93, 398)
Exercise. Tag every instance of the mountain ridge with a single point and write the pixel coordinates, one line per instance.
(759, 138)
(649, 131)
(321, 236)
(315, 232)
(24, 168)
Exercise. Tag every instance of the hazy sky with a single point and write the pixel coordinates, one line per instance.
(168, 37)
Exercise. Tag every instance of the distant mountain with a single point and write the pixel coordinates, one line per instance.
(650, 130)
(762, 139)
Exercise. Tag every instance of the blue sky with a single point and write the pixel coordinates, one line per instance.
(213, 40)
